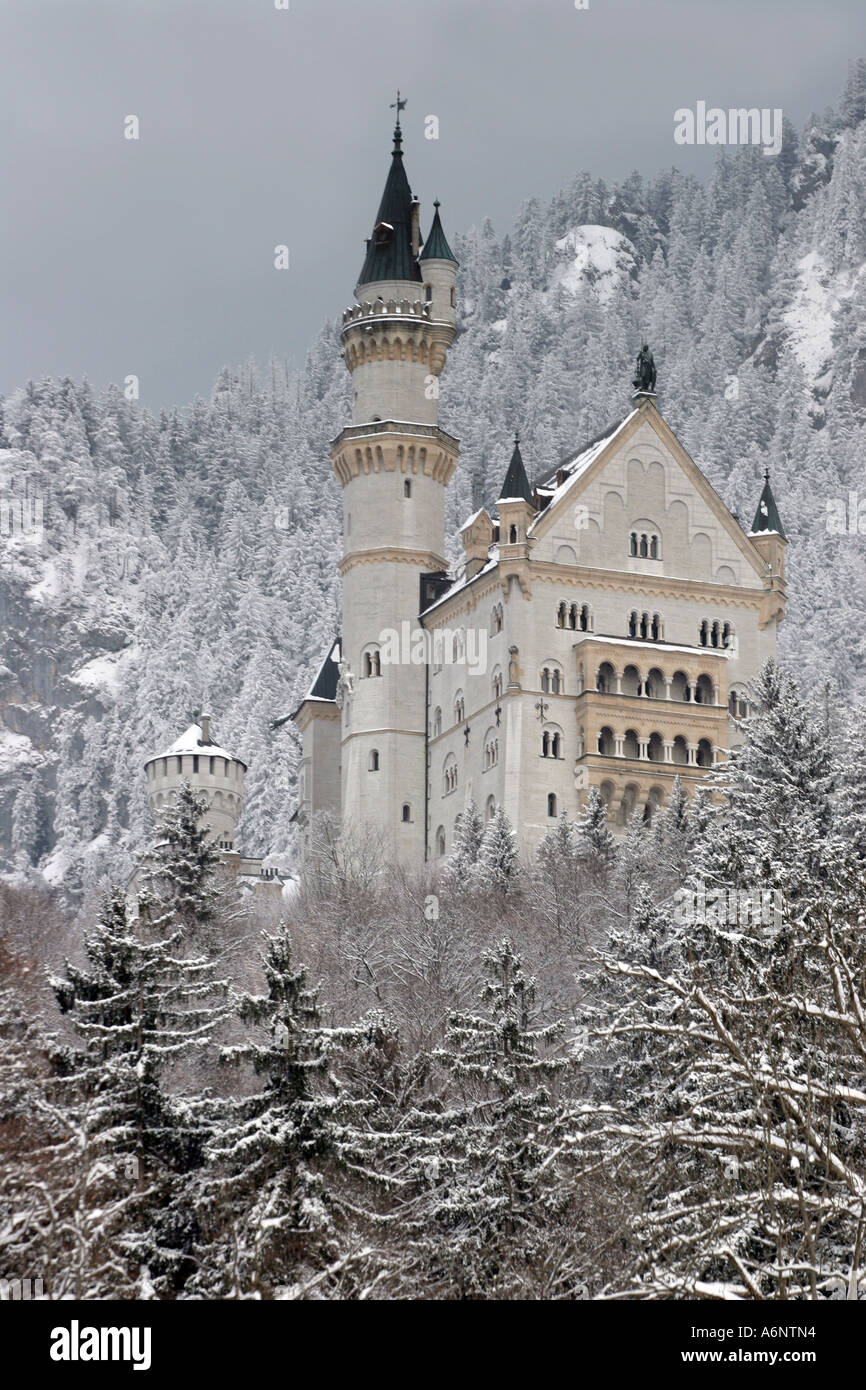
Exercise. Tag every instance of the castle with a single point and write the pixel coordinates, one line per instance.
(601, 632)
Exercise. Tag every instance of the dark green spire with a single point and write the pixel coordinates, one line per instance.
(436, 247)
(767, 516)
(389, 249)
(516, 482)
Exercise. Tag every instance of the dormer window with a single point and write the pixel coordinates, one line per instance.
(382, 233)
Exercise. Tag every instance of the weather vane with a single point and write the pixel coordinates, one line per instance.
(400, 104)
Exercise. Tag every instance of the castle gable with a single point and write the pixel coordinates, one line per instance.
(635, 501)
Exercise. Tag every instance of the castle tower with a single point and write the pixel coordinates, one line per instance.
(197, 759)
(394, 463)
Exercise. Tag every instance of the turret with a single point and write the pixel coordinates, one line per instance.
(516, 506)
(197, 759)
(768, 537)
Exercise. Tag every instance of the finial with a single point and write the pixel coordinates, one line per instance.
(400, 104)
(766, 475)
(516, 440)
(436, 204)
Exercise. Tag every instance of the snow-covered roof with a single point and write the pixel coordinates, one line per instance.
(650, 645)
(578, 465)
(463, 582)
(190, 742)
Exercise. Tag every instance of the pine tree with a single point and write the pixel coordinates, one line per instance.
(595, 842)
(468, 837)
(487, 1192)
(141, 1006)
(178, 872)
(497, 860)
(268, 1206)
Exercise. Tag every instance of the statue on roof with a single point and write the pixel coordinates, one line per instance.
(645, 378)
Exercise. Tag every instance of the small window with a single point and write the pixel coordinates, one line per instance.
(512, 535)
(551, 803)
(406, 815)
(428, 293)
(452, 298)
(195, 762)
(373, 760)
(407, 488)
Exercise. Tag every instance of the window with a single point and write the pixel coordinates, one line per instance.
(496, 619)
(551, 743)
(449, 775)
(407, 487)
(428, 293)
(561, 612)
(496, 684)
(437, 722)
(644, 545)
(551, 803)
(490, 808)
(551, 680)
(459, 707)
(373, 760)
(195, 762)
(371, 663)
(512, 535)
(440, 842)
(491, 749)
(452, 297)
(406, 813)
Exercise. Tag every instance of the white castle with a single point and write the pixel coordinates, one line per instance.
(601, 632)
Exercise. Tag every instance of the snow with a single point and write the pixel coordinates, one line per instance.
(50, 585)
(811, 316)
(600, 258)
(16, 751)
(190, 742)
(103, 672)
(582, 461)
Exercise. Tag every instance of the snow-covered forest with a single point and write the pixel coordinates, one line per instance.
(621, 1069)
(189, 559)
(633, 1071)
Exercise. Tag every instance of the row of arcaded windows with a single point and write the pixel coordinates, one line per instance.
(644, 545)
(652, 749)
(716, 634)
(575, 617)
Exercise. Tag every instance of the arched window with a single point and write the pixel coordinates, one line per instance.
(459, 707)
(406, 813)
(371, 664)
(585, 618)
(437, 722)
(632, 623)
(373, 760)
(605, 679)
(556, 683)
(704, 634)
(644, 626)
(496, 683)
(561, 613)
(551, 742)
(440, 842)
(643, 549)
(512, 535)
(704, 757)
(572, 616)
(407, 487)
(490, 808)
(656, 628)
(631, 744)
(551, 803)
(551, 680)
(654, 547)
(632, 543)
(449, 775)
(545, 681)
(606, 742)
(491, 749)
(496, 619)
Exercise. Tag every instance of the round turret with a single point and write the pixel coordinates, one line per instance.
(197, 759)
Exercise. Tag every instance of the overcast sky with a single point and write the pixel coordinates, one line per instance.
(261, 126)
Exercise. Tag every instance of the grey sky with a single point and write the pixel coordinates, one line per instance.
(260, 126)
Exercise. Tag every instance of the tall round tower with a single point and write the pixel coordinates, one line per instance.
(394, 463)
(196, 759)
